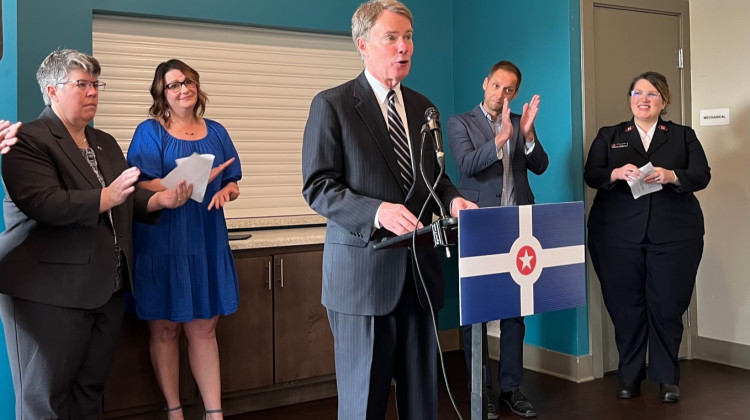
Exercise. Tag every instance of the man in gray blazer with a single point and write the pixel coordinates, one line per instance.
(369, 187)
(494, 149)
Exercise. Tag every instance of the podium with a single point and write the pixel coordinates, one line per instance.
(512, 261)
(517, 261)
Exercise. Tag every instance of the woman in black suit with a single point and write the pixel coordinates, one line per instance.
(646, 250)
(67, 252)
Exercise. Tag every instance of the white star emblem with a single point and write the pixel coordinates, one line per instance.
(526, 259)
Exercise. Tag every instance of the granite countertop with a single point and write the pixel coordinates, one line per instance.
(272, 233)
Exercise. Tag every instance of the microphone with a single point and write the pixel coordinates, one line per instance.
(433, 125)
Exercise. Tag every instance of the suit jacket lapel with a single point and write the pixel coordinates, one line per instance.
(661, 135)
(105, 167)
(369, 110)
(633, 138)
(68, 146)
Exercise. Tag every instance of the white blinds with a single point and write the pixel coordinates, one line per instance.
(259, 83)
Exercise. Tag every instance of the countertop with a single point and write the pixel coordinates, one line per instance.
(268, 233)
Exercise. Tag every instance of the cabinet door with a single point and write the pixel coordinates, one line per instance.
(245, 337)
(304, 343)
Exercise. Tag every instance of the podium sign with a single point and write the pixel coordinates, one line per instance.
(517, 261)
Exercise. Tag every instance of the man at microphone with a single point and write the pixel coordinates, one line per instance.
(360, 168)
(494, 149)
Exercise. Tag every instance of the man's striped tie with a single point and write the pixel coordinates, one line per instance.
(400, 143)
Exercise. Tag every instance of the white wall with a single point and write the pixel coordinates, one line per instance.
(719, 38)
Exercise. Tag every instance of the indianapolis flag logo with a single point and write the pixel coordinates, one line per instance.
(517, 261)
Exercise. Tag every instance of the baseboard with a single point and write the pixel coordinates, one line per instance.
(724, 352)
(573, 368)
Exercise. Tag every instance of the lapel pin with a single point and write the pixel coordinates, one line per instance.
(662, 127)
(99, 147)
(629, 128)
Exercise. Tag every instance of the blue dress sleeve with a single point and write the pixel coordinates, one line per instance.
(145, 151)
(233, 173)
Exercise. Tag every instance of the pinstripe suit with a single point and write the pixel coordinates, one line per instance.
(379, 319)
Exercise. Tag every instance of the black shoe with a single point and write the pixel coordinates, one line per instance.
(628, 391)
(518, 404)
(491, 411)
(669, 393)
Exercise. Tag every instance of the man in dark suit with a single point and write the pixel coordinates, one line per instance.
(359, 162)
(494, 149)
(67, 252)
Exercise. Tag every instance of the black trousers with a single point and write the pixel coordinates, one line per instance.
(646, 289)
(60, 357)
(510, 365)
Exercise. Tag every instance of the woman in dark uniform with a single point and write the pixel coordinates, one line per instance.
(646, 250)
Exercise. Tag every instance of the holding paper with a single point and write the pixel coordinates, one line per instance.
(638, 186)
(195, 169)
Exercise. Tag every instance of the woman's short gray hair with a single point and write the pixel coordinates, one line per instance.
(367, 13)
(56, 66)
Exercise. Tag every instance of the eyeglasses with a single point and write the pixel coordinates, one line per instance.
(85, 84)
(177, 86)
(639, 94)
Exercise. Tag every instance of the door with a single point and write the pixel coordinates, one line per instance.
(245, 337)
(621, 39)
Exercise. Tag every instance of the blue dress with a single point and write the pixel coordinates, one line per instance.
(184, 267)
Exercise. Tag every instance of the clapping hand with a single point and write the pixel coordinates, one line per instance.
(230, 192)
(506, 127)
(175, 197)
(219, 169)
(8, 133)
(530, 111)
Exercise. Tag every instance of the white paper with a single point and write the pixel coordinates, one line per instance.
(194, 169)
(639, 187)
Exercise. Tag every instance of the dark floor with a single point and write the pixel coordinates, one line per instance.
(709, 391)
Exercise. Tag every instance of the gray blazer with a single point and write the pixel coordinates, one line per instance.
(480, 171)
(349, 168)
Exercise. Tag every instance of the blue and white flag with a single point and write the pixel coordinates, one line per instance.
(517, 261)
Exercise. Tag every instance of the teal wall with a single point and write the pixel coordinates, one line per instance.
(543, 38)
(8, 100)
(456, 41)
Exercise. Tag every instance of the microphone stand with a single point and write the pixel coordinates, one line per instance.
(439, 237)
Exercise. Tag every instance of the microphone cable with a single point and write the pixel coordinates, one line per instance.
(432, 195)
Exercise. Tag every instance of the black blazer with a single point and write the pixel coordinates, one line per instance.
(349, 168)
(58, 249)
(670, 214)
(480, 171)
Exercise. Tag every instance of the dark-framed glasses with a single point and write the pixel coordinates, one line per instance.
(640, 94)
(177, 86)
(85, 84)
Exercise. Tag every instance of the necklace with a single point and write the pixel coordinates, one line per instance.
(82, 143)
(189, 133)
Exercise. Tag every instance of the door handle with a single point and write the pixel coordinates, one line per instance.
(270, 275)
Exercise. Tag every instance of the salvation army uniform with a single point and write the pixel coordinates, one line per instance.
(646, 251)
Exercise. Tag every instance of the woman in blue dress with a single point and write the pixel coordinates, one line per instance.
(185, 276)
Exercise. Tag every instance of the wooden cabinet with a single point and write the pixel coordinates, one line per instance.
(246, 337)
(276, 349)
(302, 335)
